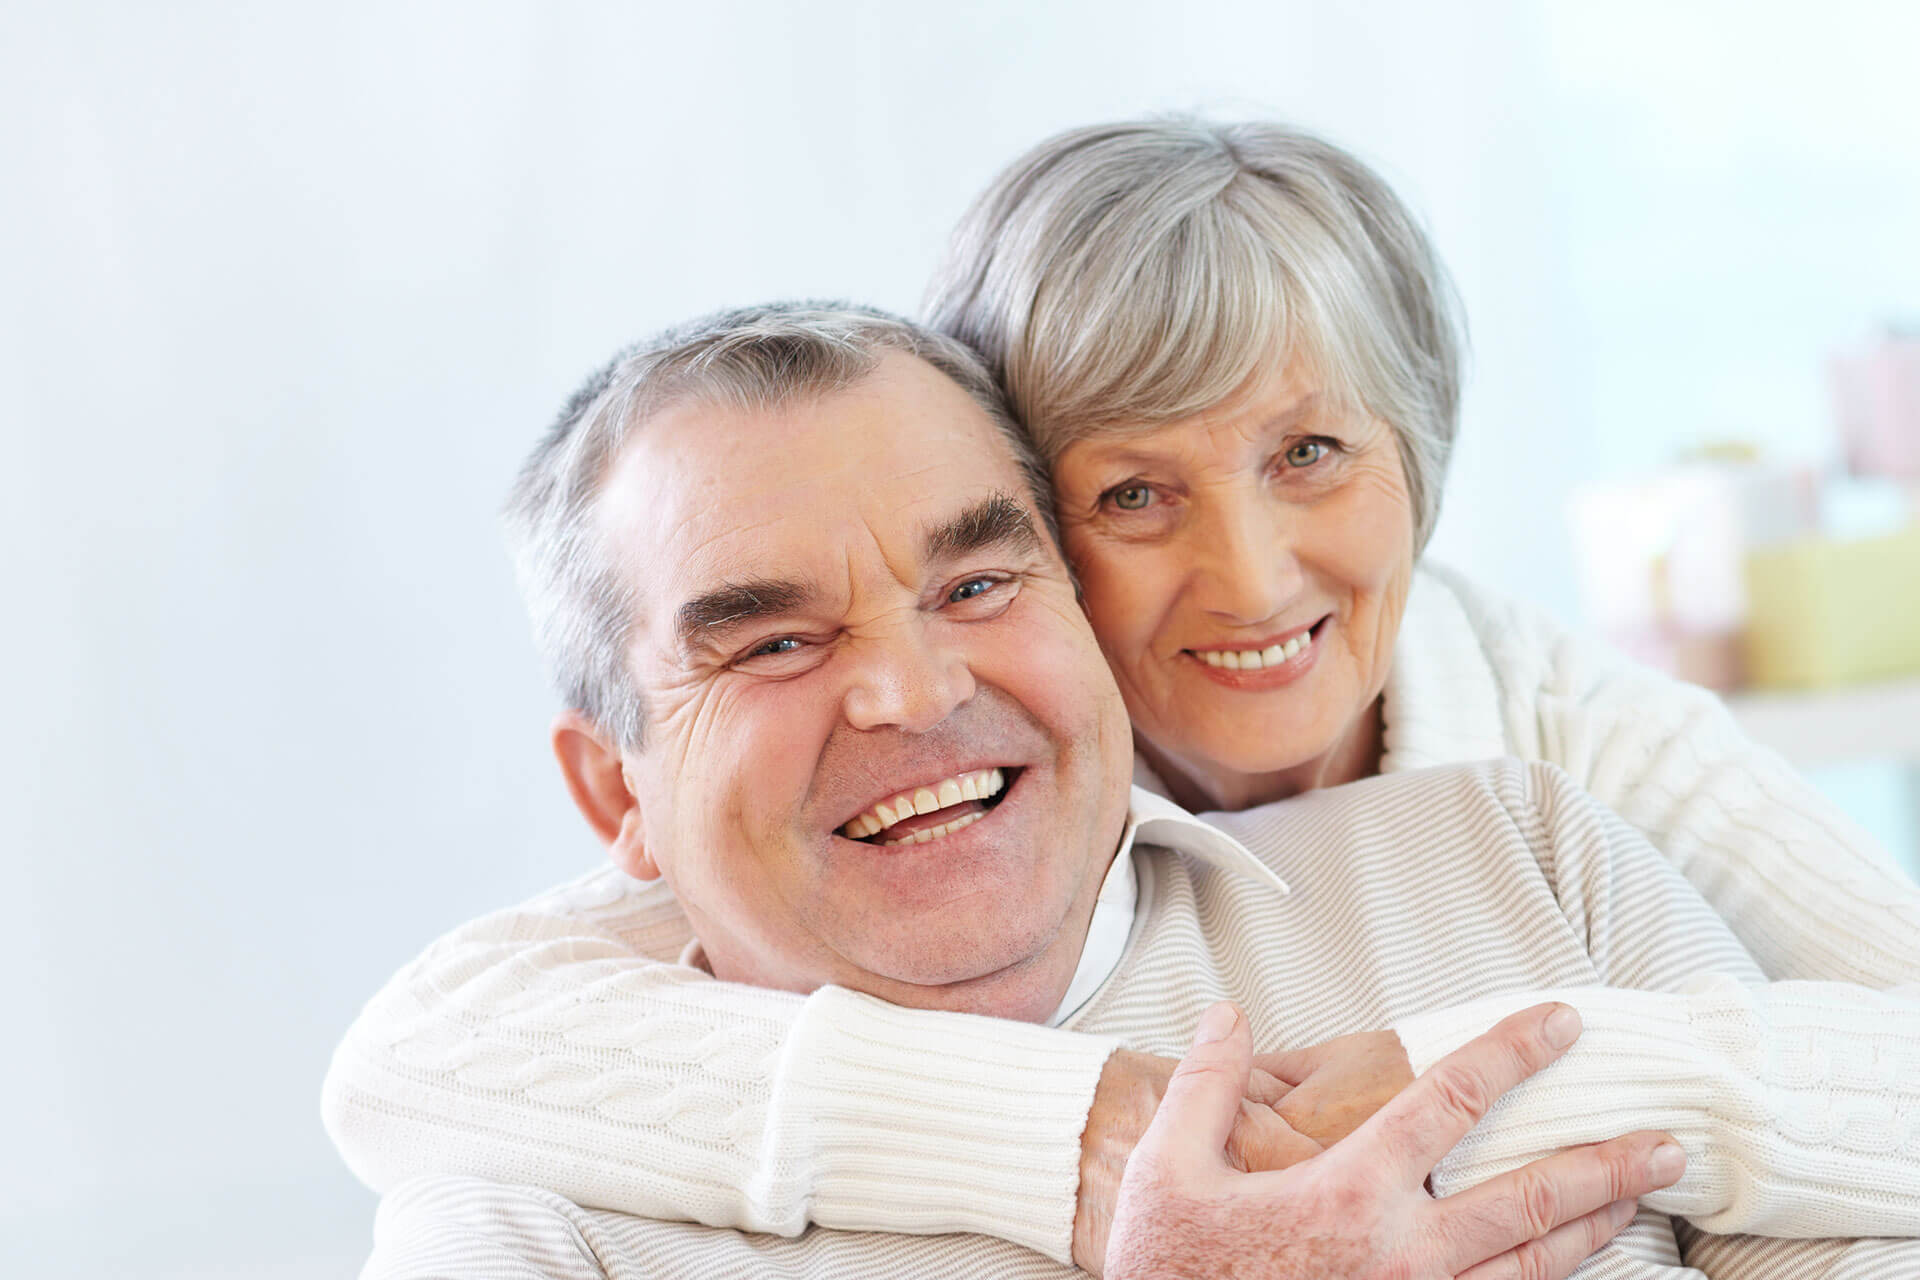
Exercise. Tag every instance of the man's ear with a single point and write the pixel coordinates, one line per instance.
(597, 781)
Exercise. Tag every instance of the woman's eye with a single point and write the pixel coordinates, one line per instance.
(1306, 453)
(1131, 497)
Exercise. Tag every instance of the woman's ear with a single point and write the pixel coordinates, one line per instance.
(597, 781)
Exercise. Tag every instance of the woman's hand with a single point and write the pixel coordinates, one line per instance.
(1335, 1087)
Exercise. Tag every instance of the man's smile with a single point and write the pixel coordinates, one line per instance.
(931, 811)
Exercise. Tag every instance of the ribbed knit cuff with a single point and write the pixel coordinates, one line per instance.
(922, 1122)
(1635, 1066)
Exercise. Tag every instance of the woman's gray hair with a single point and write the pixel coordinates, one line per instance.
(754, 358)
(1125, 275)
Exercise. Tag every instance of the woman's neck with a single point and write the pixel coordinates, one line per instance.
(1200, 786)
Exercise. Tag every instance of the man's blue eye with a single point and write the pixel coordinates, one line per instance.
(785, 644)
(969, 589)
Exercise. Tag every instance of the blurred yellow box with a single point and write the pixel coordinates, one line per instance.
(1824, 612)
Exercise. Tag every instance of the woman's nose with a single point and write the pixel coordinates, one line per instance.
(1246, 557)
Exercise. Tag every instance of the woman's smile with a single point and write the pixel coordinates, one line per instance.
(1281, 660)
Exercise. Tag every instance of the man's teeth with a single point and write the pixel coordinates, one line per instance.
(978, 785)
(934, 833)
(1253, 659)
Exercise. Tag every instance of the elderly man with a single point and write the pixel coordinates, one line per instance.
(791, 567)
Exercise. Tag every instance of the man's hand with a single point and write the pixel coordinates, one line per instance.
(1124, 1103)
(1295, 1104)
(1359, 1209)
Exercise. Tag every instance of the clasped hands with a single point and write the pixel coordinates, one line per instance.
(1313, 1163)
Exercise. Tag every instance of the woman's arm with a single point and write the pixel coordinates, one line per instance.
(556, 1044)
(1809, 893)
(1798, 1102)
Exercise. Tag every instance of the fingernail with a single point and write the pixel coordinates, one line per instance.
(1216, 1023)
(1667, 1163)
(1563, 1026)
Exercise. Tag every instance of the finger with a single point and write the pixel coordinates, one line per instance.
(1430, 1116)
(1291, 1067)
(1264, 1088)
(1262, 1142)
(1203, 1097)
(1555, 1255)
(1529, 1203)
(1328, 1114)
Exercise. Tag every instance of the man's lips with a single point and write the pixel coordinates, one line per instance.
(932, 810)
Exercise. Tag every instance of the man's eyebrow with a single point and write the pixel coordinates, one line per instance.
(998, 521)
(711, 615)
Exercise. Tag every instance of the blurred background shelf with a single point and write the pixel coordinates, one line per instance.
(1820, 728)
(1860, 744)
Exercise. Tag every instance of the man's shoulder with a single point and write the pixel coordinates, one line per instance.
(1385, 798)
(1486, 807)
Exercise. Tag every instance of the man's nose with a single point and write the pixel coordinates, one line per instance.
(909, 679)
(1246, 559)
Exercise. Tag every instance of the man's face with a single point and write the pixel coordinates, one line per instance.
(843, 601)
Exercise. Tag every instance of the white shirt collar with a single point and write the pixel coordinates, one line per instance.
(1151, 819)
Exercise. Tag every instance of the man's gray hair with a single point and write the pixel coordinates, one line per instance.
(754, 358)
(1125, 275)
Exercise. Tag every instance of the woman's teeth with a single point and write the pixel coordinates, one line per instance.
(1253, 659)
(978, 785)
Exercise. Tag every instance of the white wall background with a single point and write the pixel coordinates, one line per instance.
(286, 291)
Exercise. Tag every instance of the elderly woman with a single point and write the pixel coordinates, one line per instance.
(1238, 354)
(1237, 351)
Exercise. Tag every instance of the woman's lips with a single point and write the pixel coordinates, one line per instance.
(1282, 660)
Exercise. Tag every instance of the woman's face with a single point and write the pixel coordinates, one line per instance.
(1245, 570)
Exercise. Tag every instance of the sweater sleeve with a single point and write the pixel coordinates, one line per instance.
(553, 1044)
(1798, 1103)
(1810, 894)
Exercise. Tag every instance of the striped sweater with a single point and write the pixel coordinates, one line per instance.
(1408, 894)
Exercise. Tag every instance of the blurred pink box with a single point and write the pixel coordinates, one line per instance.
(1876, 395)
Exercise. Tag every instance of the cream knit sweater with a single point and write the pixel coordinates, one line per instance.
(550, 1044)
(1406, 892)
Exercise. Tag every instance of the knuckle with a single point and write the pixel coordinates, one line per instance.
(1623, 1165)
(1460, 1091)
(1539, 1204)
(1195, 1070)
(1532, 1261)
(1525, 1043)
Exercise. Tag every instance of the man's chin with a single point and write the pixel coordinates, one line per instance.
(1014, 978)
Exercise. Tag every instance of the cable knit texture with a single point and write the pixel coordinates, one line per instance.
(550, 1044)
(1406, 892)
(554, 1044)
